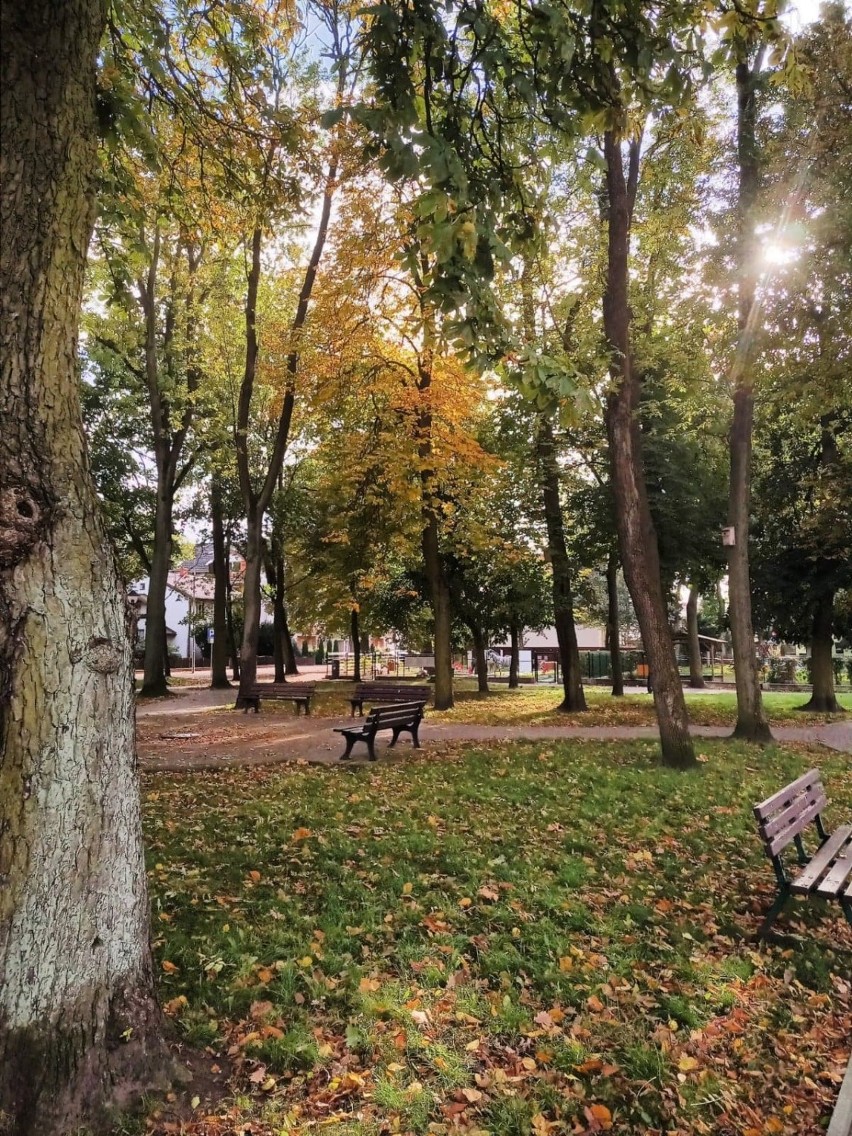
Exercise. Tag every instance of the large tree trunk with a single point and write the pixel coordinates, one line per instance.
(291, 667)
(355, 636)
(440, 595)
(823, 698)
(696, 667)
(613, 628)
(221, 573)
(636, 535)
(79, 1023)
(480, 660)
(251, 605)
(282, 648)
(752, 724)
(232, 634)
(573, 699)
(514, 656)
(433, 564)
(156, 645)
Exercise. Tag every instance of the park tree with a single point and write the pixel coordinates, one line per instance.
(263, 209)
(803, 540)
(117, 433)
(756, 47)
(598, 70)
(145, 328)
(79, 1023)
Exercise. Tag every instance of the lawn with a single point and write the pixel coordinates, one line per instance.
(537, 939)
(536, 705)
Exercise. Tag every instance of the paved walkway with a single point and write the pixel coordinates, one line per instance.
(180, 734)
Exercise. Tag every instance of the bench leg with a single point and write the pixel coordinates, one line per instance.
(372, 748)
(350, 742)
(414, 735)
(846, 904)
(773, 913)
(395, 738)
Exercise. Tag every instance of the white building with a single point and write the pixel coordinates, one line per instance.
(189, 600)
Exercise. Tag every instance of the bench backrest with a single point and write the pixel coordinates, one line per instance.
(787, 813)
(399, 714)
(386, 693)
(289, 689)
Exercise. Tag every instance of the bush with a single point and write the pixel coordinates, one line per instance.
(319, 654)
(784, 670)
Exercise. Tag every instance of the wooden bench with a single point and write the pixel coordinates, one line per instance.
(404, 716)
(827, 873)
(298, 692)
(384, 692)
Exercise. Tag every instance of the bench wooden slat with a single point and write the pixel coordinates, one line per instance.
(835, 881)
(788, 793)
(819, 862)
(795, 828)
(788, 816)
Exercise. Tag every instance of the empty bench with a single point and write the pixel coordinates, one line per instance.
(827, 872)
(298, 692)
(383, 692)
(402, 717)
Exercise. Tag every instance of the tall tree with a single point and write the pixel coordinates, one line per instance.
(258, 486)
(79, 1022)
(752, 724)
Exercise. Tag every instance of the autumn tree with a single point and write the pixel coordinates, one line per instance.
(79, 1023)
(803, 525)
(258, 485)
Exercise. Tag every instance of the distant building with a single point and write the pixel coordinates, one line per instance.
(189, 600)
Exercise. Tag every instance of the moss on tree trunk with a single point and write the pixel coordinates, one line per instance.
(79, 1023)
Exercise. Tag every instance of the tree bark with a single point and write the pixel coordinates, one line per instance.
(355, 635)
(696, 667)
(232, 635)
(433, 564)
(613, 627)
(221, 575)
(823, 698)
(480, 660)
(514, 656)
(439, 592)
(79, 1023)
(291, 667)
(573, 698)
(278, 621)
(752, 724)
(251, 604)
(156, 644)
(636, 535)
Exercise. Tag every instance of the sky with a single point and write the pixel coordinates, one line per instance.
(801, 12)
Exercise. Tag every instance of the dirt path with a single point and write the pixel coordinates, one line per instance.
(189, 736)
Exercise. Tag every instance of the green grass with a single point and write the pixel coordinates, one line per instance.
(498, 937)
(538, 706)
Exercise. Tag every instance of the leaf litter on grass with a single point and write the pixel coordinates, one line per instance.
(497, 939)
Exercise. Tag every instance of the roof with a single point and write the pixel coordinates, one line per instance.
(200, 561)
(193, 585)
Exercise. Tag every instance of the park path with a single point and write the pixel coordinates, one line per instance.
(182, 734)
